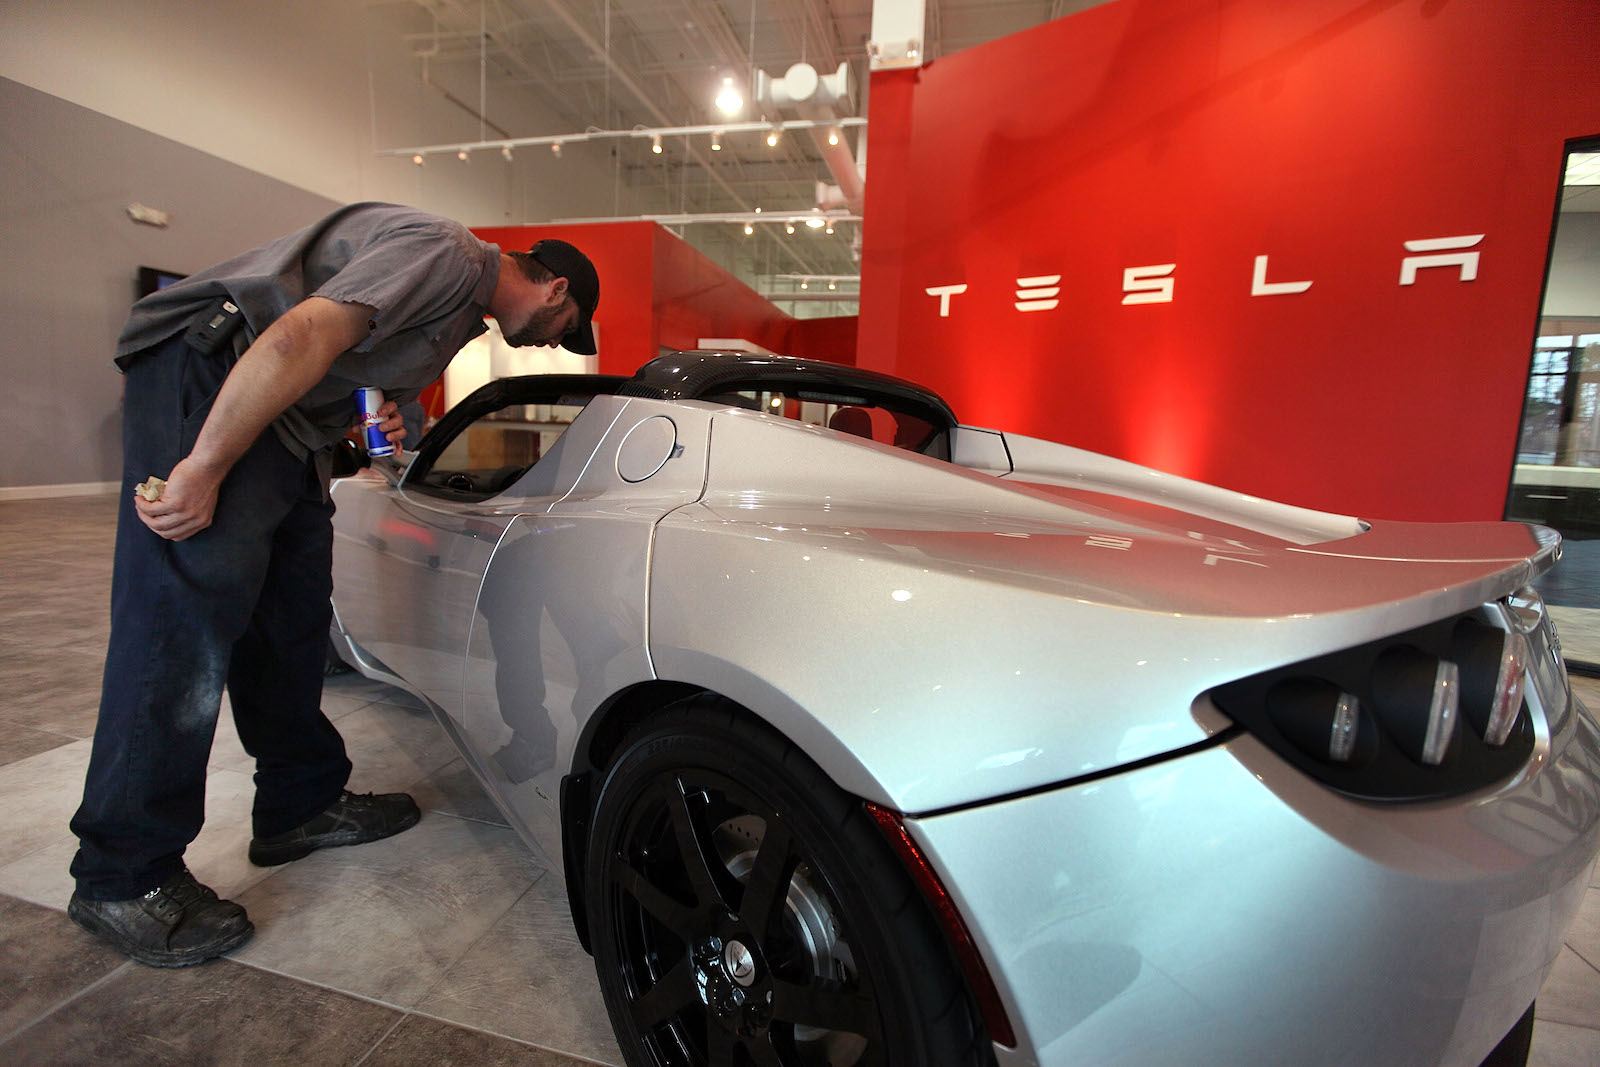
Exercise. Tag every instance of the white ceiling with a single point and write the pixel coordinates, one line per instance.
(630, 64)
(625, 64)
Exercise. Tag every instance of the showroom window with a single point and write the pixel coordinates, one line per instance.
(1556, 480)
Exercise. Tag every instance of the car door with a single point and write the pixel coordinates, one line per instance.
(561, 621)
(409, 558)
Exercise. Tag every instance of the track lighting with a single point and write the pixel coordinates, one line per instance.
(789, 227)
(805, 284)
(828, 228)
(417, 159)
(749, 229)
(505, 153)
(655, 143)
(832, 286)
(833, 135)
(815, 223)
(462, 155)
(772, 136)
(555, 148)
(716, 140)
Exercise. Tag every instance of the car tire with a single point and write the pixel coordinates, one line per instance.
(836, 961)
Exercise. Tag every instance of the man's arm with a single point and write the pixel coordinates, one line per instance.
(281, 366)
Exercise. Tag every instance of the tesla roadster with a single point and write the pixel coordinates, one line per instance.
(865, 737)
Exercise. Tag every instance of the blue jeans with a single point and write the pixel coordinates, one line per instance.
(244, 603)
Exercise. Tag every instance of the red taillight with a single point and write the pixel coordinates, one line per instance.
(955, 927)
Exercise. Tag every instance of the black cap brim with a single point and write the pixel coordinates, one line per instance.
(581, 339)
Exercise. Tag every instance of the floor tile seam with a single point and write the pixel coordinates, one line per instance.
(429, 991)
(1593, 1028)
(6, 720)
(28, 855)
(68, 1001)
(489, 928)
(365, 998)
(473, 819)
(367, 1055)
(450, 758)
(1580, 953)
(459, 1025)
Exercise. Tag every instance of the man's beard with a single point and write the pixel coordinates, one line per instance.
(538, 330)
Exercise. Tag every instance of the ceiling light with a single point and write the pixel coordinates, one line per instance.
(749, 229)
(772, 136)
(555, 148)
(716, 140)
(832, 286)
(417, 159)
(805, 284)
(505, 153)
(462, 155)
(829, 228)
(655, 143)
(833, 135)
(789, 227)
(729, 99)
(816, 223)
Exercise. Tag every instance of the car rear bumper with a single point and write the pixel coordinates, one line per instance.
(1221, 907)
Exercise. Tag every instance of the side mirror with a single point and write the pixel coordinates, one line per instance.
(349, 457)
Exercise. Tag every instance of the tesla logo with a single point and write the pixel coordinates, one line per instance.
(1157, 283)
(1467, 261)
(1259, 286)
(1038, 294)
(944, 293)
(1149, 285)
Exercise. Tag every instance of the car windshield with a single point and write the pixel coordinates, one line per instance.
(504, 429)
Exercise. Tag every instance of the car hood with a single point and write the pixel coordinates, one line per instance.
(937, 636)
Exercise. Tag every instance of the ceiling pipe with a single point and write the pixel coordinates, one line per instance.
(643, 96)
(814, 97)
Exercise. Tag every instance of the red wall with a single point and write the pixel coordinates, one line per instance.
(695, 298)
(1204, 133)
(657, 292)
(832, 339)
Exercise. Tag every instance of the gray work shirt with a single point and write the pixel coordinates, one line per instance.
(428, 278)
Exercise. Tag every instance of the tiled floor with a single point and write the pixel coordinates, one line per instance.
(446, 944)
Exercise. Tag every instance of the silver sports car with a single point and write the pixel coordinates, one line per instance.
(864, 737)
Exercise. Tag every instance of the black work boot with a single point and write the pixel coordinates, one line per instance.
(353, 819)
(178, 924)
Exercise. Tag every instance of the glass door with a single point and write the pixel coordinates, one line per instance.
(1556, 480)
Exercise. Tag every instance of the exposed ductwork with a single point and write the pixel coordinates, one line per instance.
(818, 97)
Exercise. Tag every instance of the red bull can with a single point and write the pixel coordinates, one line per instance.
(368, 401)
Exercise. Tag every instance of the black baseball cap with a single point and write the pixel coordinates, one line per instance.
(565, 261)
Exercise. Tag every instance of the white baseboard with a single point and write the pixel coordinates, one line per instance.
(40, 492)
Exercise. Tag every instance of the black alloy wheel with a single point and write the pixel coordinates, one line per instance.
(747, 913)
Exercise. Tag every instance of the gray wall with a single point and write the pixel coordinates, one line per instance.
(70, 255)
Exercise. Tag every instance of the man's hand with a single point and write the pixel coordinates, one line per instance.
(186, 505)
(392, 425)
